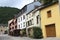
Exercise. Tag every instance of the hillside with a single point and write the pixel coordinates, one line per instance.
(7, 13)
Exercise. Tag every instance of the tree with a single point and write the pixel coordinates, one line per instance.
(7, 13)
(46, 1)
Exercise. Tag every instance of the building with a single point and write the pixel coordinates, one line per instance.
(32, 20)
(9, 26)
(12, 24)
(21, 19)
(50, 20)
(3, 28)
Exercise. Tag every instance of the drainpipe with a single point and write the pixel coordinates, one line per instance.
(59, 5)
(26, 27)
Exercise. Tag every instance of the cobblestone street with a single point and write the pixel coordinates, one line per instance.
(6, 37)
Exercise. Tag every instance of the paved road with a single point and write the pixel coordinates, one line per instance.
(6, 37)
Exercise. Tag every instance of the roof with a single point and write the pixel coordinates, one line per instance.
(20, 12)
(10, 21)
(29, 7)
(47, 5)
(33, 10)
(43, 6)
(32, 6)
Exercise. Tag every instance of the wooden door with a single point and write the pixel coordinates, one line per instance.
(50, 30)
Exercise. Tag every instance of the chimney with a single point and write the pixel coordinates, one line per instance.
(35, 0)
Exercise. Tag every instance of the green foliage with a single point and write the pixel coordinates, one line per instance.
(23, 32)
(46, 1)
(7, 13)
(37, 32)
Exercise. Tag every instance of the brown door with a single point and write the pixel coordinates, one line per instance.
(50, 30)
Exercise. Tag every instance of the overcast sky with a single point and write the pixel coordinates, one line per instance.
(15, 3)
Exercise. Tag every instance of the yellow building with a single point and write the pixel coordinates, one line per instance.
(50, 20)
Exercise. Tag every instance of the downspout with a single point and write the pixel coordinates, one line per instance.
(59, 5)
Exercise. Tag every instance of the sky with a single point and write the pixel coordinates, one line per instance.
(14, 3)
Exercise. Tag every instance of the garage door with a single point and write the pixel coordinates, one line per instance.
(50, 30)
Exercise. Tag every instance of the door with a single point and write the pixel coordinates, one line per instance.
(50, 30)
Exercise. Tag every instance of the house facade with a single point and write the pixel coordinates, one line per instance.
(50, 20)
(3, 28)
(32, 20)
(21, 19)
(9, 26)
(12, 24)
(21, 24)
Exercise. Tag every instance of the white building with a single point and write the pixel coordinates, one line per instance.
(33, 19)
(21, 24)
(21, 19)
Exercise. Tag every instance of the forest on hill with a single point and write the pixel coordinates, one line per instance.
(7, 13)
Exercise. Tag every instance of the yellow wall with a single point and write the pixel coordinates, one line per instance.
(54, 19)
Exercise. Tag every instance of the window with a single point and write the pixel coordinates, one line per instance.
(49, 13)
(23, 24)
(15, 26)
(31, 22)
(37, 18)
(27, 17)
(12, 27)
(25, 9)
(12, 23)
(23, 17)
(19, 26)
(19, 20)
(9, 28)
(27, 24)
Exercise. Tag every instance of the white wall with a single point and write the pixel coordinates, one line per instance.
(35, 22)
(20, 22)
(33, 16)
